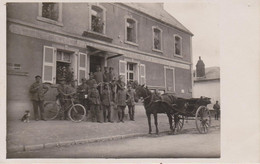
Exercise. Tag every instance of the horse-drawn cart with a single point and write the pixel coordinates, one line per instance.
(194, 108)
(176, 108)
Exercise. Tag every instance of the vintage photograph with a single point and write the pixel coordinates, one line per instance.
(113, 80)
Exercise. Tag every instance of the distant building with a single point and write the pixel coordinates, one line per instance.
(141, 41)
(206, 82)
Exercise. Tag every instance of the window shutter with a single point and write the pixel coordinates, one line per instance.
(49, 64)
(142, 74)
(122, 69)
(82, 66)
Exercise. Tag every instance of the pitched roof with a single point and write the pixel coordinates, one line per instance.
(157, 12)
(211, 73)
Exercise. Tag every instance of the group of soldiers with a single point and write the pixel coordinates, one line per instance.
(101, 93)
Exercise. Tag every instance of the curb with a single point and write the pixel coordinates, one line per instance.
(22, 148)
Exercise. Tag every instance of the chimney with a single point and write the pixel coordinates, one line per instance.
(200, 68)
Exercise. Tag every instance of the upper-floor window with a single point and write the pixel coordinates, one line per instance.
(157, 38)
(97, 19)
(131, 31)
(50, 13)
(177, 45)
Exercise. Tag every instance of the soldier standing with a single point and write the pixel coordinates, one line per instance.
(130, 101)
(121, 99)
(94, 101)
(106, 75)
(216, 107)
(62, 90)
(111, 75)
(37, 91)
(91, 81)
(106, 98)
(83, 92)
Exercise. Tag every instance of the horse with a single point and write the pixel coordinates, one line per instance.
(155, 103)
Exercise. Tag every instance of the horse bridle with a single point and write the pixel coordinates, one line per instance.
(150, 103)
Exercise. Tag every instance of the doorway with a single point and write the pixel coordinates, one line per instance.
(96, 61)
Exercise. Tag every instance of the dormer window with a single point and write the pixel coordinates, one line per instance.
(157, 39)
(97, 19)
(177, 45)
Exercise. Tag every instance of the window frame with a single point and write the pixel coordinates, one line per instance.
(161, 45)
(103, 17)
(165, 79)
(47, 20)
(181, 54)
(136, 39)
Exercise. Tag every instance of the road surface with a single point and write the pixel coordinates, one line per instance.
(188, 145)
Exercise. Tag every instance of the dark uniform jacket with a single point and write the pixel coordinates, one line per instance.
(37, 91)
(106, 97)
(106, 77)
(111, 75)
(98, 76)
(93, 97)
(91, 82)
(216, 107)
(121, 97)
(82, 90)
(130, 97)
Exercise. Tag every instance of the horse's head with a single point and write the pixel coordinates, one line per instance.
(204, 100)
(142, 91)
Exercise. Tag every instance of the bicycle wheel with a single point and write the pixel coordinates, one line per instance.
(51, 110)
(77, 113)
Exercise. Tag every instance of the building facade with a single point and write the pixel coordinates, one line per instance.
(141, 41)
(207, 82)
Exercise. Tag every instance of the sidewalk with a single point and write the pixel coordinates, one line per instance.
(45, 134)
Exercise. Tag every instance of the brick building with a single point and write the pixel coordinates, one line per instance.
(140, 40)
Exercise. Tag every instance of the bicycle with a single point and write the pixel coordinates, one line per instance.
(76, 112)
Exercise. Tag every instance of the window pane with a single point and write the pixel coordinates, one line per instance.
(131, 76)
(97, 24)
(131, 31)
(50, 10)
(82, 60)
(48, 55)
(48, 73)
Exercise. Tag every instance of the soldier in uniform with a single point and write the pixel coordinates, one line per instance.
(130, 101)
(106, 75)
(106, 98)
(111, 75)
(94, 101)
(62, 89)
(121, 99)
(98, 75)
(83, 92)
(37, 91)
(91, 81)
(216, 107)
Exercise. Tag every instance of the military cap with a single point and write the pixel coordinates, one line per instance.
(38, 76)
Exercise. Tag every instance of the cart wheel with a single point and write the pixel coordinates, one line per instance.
(179, 124)
(203, 119)
(77, 113)
(51, 110)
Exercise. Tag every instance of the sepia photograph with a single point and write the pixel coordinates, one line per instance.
(114, 80)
